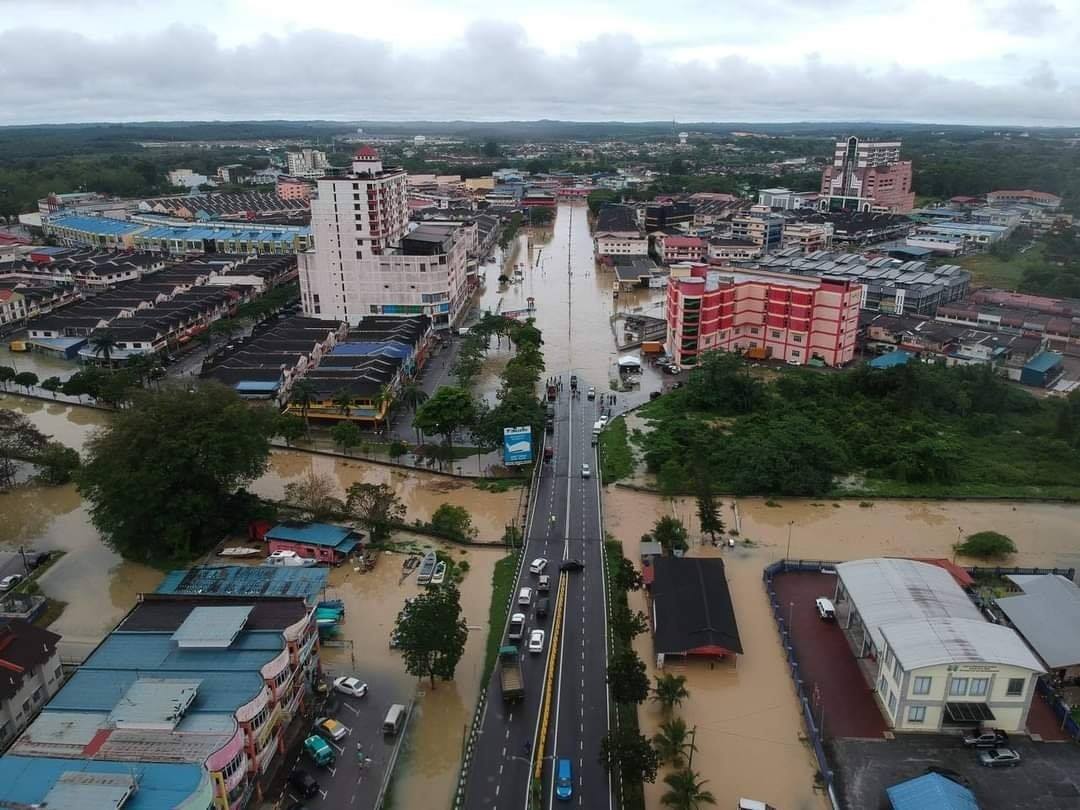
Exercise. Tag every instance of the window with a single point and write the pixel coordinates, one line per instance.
(892, 703)
(922, 686)
(979, 687)
(882, 685)
(1016, 687)
(36, 696)
(958, 687)
(897, 671)
(775, 333)
(797, 338)
(916, 714)
(888, 657)
(26, 705)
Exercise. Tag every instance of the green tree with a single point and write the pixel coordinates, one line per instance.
(670, 690)
(19, 440)
(491, 149)
(541, 216)
(986, 546)
(626, 577)
(26, 379)
(626, 752)
(377, 507)
(161, 477)
(103, 344)
(453, 521)
(342, 400)
(627, 624)
(52, 384)
(303, 394)
(708, 507)
(412, 396)
(686, 791)
(56, 463)
(432, 634)
(290, 427)
(722, 383)
(7, 374)
(673, 742)
(316, 495)
(671, 534)
(449, 410)
(397, 449)
(599, 198)
(626, 677)
(346, 435)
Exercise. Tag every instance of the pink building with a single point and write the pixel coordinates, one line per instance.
(681, 248)
(292, 188)
(867, 176)
(1024, 196)
(766, 315)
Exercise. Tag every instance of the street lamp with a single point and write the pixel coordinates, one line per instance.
(787, 554)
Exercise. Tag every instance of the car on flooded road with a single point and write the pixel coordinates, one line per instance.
(349, 685)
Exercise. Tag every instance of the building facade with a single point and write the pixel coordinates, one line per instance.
(30, 674)
(310, 163)
(760, 226)
(867, 176)
(288, 187)
(368, 262)
(766, 315)
(807, 236)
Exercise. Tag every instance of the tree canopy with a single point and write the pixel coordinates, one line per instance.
(162, 477)
(376, 506)
(431, 633)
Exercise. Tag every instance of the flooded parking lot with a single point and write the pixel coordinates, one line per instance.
(747, 717)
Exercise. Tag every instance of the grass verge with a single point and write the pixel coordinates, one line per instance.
(501, 484)
(502, 582)
(616, 457)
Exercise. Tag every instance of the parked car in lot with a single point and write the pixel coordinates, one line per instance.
(538, 565)
(536, 641)
(331, 728)
(350, 685)
(319, 751)
(986, 738)
(825, 608)
(9, 582)
(999, 758)
(303, 783)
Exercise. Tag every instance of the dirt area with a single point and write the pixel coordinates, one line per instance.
(749, 727)
(1048, 776)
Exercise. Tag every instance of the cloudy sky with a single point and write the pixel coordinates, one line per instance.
(948, 61)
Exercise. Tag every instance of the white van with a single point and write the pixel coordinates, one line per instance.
(395, 719)
(525, 597)
(825, 608)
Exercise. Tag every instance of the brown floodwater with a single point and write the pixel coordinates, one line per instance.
(427, 775)
(746, 714)
(42, 365)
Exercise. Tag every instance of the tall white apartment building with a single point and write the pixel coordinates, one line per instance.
(366, 259)
(309, 163)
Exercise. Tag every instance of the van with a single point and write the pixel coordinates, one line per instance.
(564, 780)
(395, 719)
(542, 607)
(825, 608)
(525, 597)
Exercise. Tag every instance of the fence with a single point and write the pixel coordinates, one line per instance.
(385, 784)
(813, 731)
(1062, 710)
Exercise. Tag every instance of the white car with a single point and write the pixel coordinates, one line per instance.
(7, 583)
(525, 597)
(586, 471)
(349, 685)
(825, 608)
(544, 583)
(602, 420)
(536, 641)
(591, 394)
(538, 565)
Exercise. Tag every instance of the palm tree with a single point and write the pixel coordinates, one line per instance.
(303, 394)
(670, 690)
(103, 344)
(672, 742)
(343, 401)
(686, 791)
(412, 396)
(385, 399)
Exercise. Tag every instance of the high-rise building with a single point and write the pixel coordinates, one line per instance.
(867, 176)
(760, 226)
(310, 163)
(765, 315)
(367, 261)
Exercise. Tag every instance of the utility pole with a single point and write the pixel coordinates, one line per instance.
(787, 554)
(693, 738)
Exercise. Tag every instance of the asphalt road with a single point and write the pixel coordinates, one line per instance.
(500, 774)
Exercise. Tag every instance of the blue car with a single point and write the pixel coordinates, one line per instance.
(564, 780)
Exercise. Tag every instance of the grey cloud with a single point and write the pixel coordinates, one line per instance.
(1025, 17)
(493, 72)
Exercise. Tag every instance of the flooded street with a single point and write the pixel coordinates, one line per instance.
(42, 365)
(428, 773)
(573, 299)
(746, 714)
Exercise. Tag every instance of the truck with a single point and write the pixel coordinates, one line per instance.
(511, 678)
(552, 393)
(652, 347)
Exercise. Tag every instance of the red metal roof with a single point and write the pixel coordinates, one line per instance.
(962, 577)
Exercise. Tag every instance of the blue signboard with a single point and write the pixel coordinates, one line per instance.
(517, 445)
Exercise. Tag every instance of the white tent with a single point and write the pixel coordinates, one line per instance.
(629, 361)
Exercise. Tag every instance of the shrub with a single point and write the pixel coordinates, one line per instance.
(986, 546)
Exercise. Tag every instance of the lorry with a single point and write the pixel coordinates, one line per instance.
(652, 347)
(552, 393)
(511, 678)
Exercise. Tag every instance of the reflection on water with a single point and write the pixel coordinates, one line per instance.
(747, 718)
(40, 364)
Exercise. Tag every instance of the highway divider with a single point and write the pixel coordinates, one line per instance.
(549, 678)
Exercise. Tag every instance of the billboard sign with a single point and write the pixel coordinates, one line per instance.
(517, 445)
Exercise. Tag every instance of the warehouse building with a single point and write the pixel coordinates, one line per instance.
(936, 663)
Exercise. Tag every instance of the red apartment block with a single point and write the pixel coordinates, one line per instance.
(766, 315)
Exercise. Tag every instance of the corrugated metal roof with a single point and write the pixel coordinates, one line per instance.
(885, 590)
(932, 642)
(316, 534)
(931, 790)
(1047, 613)
(1044, 362)
(216, 626)
(100, 690)
(154, 703)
